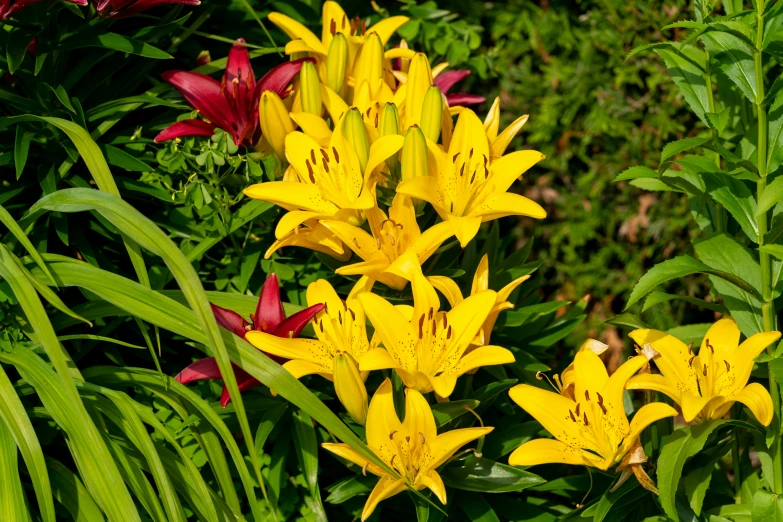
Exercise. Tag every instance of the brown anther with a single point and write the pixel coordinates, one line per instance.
(572, 415)
(336, 156)
(486, 172)
(432, 310)
(690, 361)
(452, 207)
(603, 408)
(376, 120)
(324, 155)
(312, 156)
(600, 399)
(340, 315)
(448, 333)
(353, 315)
(587, 395)
(333, 27)
(322, 326)
(325, 164)
(470, 154)
(407, 438)
(707, 342)
(434, 326)
(584, 416)
(578, 405)
(486, 159)
(473, 177)
(356, 244)
(690, 348)
(454, 158)
(704, 372)
(445, 321)
(421, 326)
(391, 436)
(310, 171)
(462, 170)
(421, 438)
(728, 366)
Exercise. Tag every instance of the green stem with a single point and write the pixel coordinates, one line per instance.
(735, 457)
(768, 305)
(719, 221)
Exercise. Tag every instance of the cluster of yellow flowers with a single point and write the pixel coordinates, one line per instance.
(363, 124)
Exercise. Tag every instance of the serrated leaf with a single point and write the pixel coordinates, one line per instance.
(772, 195)
(680, 146)
(639, 171)
(735, 58)
(690, 78)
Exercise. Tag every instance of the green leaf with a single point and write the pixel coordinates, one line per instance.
(15, 421)
(628, 320)
(767, 507)
(71, 493)
(735, 197)
(680, 146)
(12, 500)
(682, 266)
(16, 50)
(726, 255)
(350, 487)
(486, 476)
(446, 412)
(688, 73)
(773, 193)
(113, 41)
(120, 158)
(8, 220)
(503, 441)
(477, 508)
(735, 59)
(639, 171)
(774, 250)
(21, 149)
(657, 297)
(681, 445)
(696, 483)
(619, 501)
(306, 446)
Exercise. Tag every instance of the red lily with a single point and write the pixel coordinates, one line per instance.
(445, 81)
(232, 104)
(269, 317)
(125, 8)
(9, 8)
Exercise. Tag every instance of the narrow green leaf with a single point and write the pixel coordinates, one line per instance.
(689, 76)
(21, 149)
(349, 488)
(120, 158)
(657, 297)
(477, 508)
(735, 58)
(12, 503)
(677, 147)
(306, 446)
(8, 220)
(486, 476)
(16, 50)
(619, 501)
(71, 493)
(772, 194)
(113, 41)
(639, 171)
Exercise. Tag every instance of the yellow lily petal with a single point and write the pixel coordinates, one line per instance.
(292, 194)
(447, 287)
(505, 292)
(749, 350)
(439, 68)
(421, 187)
(692, 405)
(362, 243)
(654, 382)
(275, 122)
(349, 386)
(374, 268)
(646, 415)
(333, 18)
(382, 149)
(492, 121)
(757, 399)
(299, 368)
(434, 483)
(381, 421)
(484, 356)
(377, 359)
(499, 144)
(305, 349)
(386, 487)
(298, 46)
(502, 204)
(545, 451)
(392, 327)
(296, 30)
(589, 374)
(419, 421)
(549, 408)
(506, 170)
(334, 104)
(481, 277)
(466, 318)
(387, 27)
(446, 444)
(399, 52)
(431, 239)
(673, 361)
(303, 239)
(314, 126)
(723, 338)
(443, 384)
(465, 228)
(425, 299)
(350, 454)
(294, 219)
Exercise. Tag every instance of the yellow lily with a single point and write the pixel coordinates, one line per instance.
(592, 429)
(334, 21)
(451, 291)
(412, 447)
(340, 346)
(313, 236)
(331, 182)
(706, 385)
(498, 142)
(427, 346)
(391, 237)
(467, 189)
(565, 382)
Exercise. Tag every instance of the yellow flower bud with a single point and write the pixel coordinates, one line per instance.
(432, 113)
(419, 81)
(336, 62)
(275, 122)
(369, 63)
(310, 90)
(389, 126)
(349, 385)
(414, 154)
(356, 135)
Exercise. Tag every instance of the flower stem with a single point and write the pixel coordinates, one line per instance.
(768, 305)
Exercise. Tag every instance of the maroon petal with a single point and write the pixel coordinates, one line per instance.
(185, 128)
(245, 383)
(269, 312)
(293, 325)
(229, 320)
(203, 93)
(238, 67)
(202, 369)
(445, 81)
(281, 76)
(460, 98)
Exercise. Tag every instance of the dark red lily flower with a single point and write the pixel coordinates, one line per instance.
(9, 8)
(269, 317)
(445, 81)
(232, 104)
(125, 8)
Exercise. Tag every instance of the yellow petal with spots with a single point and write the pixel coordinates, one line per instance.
(545, 451)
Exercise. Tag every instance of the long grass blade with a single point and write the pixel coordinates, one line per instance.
(16, 230)
(71, 493)
(12, 502)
